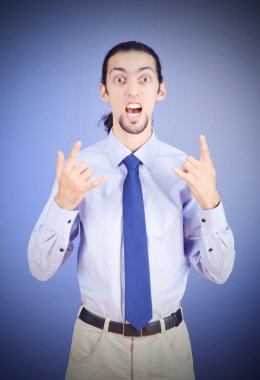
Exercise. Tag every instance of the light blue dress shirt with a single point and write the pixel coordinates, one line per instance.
(180, 233)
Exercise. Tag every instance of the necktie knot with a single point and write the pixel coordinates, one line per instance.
(131, 162)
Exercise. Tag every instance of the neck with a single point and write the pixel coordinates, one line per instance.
(130, 140)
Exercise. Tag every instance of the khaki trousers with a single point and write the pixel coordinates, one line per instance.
(101, 355)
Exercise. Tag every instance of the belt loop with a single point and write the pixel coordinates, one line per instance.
(106, 325)
(181, 311)
(81, 307)
(162, 323)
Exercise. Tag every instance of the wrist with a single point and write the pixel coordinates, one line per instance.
(63, 204)
(212, 203)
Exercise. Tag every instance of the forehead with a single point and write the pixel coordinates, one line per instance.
(131, 61)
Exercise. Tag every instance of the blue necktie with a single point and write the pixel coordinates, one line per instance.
(138, 303)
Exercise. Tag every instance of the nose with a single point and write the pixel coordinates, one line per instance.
(132, 88)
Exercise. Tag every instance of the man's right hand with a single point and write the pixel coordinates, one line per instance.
(73, 179)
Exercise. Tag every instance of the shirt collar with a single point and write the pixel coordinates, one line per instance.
(118, 151)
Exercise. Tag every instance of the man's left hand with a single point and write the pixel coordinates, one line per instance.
(200, 176)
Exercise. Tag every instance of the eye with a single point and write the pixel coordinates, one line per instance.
(119, 80)
(146, 79)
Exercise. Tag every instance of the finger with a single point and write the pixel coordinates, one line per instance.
(60, 164)
(187, 177)
(82, 167)
(96, 183)
(73, 154)
(193, 161)
(188, 166)
(204, 150)
(84, 177)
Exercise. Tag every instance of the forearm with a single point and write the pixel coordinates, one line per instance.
(211, 245)
(217, 252)
(51, 240)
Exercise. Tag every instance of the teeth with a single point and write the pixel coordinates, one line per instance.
(132, 106)
(133, 114)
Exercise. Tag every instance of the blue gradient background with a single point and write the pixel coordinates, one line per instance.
(51, 57)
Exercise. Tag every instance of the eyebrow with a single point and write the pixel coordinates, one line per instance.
(136, 71)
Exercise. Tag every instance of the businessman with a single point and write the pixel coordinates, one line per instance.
(146, 213)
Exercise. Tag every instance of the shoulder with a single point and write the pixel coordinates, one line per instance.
(169, 152)
(167, 157)
(92, 152)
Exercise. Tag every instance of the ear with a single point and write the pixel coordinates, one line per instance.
(103, 92)
(162, 91)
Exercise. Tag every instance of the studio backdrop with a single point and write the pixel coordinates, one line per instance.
(51, 58)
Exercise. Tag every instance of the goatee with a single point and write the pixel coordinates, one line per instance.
(133, 127)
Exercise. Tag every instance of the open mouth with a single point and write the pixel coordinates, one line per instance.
(133, 110)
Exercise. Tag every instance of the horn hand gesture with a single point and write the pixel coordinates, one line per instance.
(201, 177)
(73, 180)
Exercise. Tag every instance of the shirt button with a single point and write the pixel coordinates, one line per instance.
(69, 221)
(210, 249)
(61, 250)
(203, 220)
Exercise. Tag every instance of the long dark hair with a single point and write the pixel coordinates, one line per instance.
(107, 119)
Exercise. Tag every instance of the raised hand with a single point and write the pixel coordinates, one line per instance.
(201, 177)
(73, 179)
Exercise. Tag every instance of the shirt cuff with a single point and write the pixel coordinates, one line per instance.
(213, 220)
(59, 219)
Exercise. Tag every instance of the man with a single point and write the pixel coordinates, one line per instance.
(141, 228)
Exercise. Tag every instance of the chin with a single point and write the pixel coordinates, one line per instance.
(134, 127)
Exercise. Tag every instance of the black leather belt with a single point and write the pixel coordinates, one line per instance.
(127, 329)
